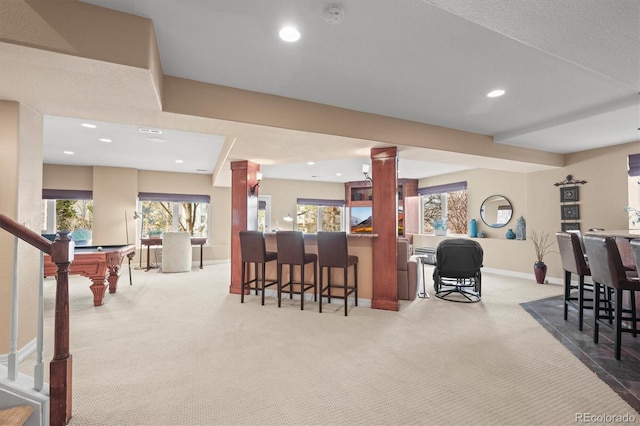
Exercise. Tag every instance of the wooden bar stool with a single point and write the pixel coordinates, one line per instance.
(253, 248)
(291, 252)
(333, 253)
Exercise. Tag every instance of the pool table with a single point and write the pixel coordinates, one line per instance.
(98, 263)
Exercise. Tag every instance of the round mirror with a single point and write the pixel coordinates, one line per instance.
(496, 211)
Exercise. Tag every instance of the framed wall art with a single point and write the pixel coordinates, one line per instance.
(570, 212)
(569, 194)
(570, 226)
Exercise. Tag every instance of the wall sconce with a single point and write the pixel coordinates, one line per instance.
(253, 189)
(365, 172)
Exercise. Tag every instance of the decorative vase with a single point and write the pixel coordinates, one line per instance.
(473, 228)
(521, 229)
(510, 234)
(540, 271)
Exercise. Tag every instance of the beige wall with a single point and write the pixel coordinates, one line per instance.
(115, 192)
(535, 197)
(284, 194)
(21, 177)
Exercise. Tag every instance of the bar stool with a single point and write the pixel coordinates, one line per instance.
(253, 248)
(333, 253)
(626, 254)
(574, 262)
(607, 269)
(291, 252)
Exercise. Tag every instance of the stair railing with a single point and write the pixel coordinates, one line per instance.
(60, 381)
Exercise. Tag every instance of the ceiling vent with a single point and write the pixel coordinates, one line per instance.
(333, 15)
(150, 131)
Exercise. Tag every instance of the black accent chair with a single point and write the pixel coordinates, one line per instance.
(333, 253)
(574, 262)
(608, 270)
(291, 252)
(253, 249)
(457, 276)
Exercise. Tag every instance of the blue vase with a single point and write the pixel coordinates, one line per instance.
(521, 229)
(510, 234)
(473, 228)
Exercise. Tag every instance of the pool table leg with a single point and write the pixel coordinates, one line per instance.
(98, 288)
(114, 275)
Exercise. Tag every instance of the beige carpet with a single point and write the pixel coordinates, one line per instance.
(178, 349)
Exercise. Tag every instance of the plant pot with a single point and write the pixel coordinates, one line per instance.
(540, 271)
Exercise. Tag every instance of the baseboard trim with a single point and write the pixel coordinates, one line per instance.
(24, 352)
(550, 280)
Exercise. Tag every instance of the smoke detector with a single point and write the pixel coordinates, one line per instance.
(333, 15)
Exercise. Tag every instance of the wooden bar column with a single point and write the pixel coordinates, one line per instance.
(60, 368)
(384, 166)
(243, 177)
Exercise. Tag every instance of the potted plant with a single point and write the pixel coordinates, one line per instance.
(542, 245)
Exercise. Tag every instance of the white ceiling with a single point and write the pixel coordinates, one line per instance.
(571, 71)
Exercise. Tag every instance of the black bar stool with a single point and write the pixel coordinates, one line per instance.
(607, 269)
(574, 262)
(333, 253)
(254, 251)
(291, 252)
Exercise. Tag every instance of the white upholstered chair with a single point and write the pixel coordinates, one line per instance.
(176, 252)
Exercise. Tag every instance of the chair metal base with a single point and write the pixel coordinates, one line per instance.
(462, 290)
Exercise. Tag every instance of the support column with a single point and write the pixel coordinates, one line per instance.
(243, 177)
(384, 165)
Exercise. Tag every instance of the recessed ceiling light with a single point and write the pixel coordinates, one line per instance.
(495, 93)
(105, 140)
(88, 125)
(179, 161)
(69, 152)
(154, 139)
(338, 174)
(311, 163)
(289, 34)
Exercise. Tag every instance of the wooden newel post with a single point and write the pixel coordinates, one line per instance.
(60, 368)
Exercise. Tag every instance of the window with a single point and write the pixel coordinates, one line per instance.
(633, 205)
(446, 204)
(66, 209)
(173, 212)
(319, 215)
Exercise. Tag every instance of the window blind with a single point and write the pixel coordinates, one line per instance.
(175, 198)
(320, 202)
(66, 194)
(634, 165)
(440, 189)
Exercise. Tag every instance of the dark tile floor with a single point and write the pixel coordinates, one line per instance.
(622, 376)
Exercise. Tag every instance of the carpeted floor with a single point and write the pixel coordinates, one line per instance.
(178, 349)
(622, 375)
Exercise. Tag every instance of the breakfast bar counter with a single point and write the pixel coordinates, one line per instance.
(359, 245)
